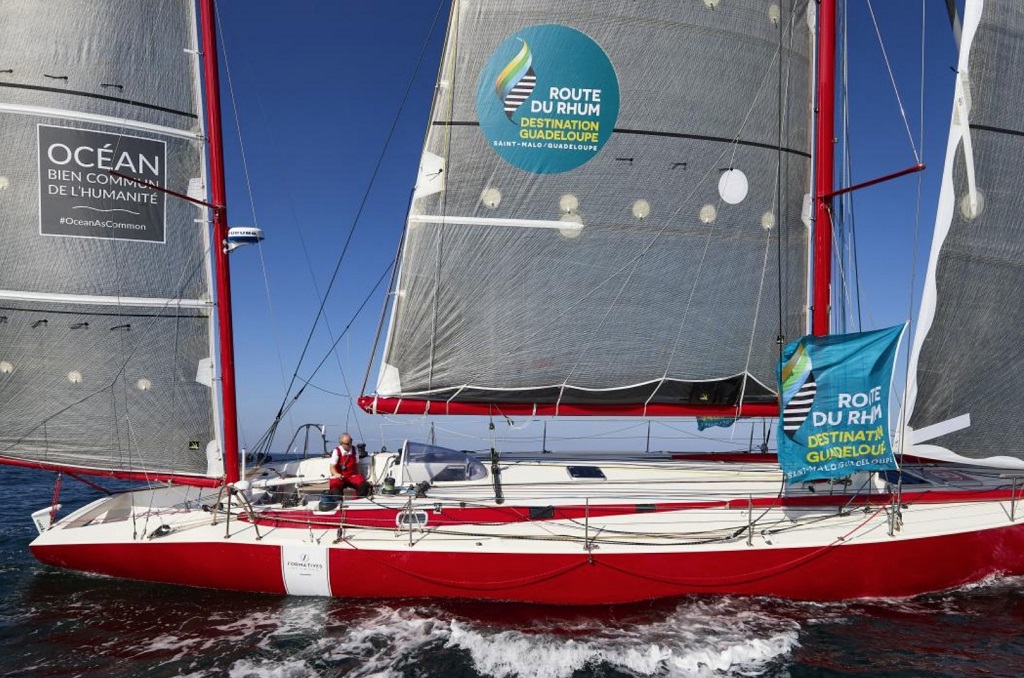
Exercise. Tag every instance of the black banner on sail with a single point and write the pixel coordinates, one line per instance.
(79, 197)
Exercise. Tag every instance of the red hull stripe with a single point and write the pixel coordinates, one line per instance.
(481, 515)
(491, 515)
(738, 457)
(894, 568)
(772, 458)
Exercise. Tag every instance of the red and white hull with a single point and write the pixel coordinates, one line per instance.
(713, 529)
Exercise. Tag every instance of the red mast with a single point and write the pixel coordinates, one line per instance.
(824, 169)
(218, 194)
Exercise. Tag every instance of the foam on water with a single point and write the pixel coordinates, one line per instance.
(323, 638)
(696, 639)
(390, 641)
(298, 619)
(990, 582)
(246, 668)
(515, 653)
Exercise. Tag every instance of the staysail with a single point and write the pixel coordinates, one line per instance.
(105, 302)
(966, 400)
(608, 208)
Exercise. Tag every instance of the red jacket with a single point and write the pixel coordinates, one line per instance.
(344, 462)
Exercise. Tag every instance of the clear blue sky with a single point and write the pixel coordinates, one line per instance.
(317, 87)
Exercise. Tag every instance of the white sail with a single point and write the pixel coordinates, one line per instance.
(965, 378)
(104, 282)
(608, 208)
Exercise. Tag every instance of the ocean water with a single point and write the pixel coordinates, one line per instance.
(55, 623)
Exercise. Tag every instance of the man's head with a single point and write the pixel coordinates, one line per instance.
(345, 440)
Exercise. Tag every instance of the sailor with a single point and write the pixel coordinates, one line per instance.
(344, 467)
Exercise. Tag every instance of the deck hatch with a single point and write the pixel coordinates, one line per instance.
(586, 472)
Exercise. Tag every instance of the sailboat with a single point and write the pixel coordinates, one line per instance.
(611, 218)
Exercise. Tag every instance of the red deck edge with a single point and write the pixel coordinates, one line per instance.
(383, 405)
(492, 515)
(192, 481)
(728, 457)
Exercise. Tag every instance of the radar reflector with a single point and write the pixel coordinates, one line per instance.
(243, 235)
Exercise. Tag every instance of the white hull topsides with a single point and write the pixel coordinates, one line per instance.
(559, 532)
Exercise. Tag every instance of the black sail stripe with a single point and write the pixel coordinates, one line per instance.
(104, 97)
(656, 133)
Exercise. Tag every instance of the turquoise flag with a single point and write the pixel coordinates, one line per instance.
(835, 404)
(708, 422)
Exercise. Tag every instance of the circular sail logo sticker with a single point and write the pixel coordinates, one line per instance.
(548, 98)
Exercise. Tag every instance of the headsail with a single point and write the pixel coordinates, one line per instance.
(967, 344)
(609, 206)
(104, 284)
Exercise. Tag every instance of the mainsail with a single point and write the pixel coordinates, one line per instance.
(105, 303)
(967, 365)
(609, 206)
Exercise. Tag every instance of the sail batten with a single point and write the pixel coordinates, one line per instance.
(800, 152)
(66, 114)
(95, 95)
(104, 300)
(670, 187)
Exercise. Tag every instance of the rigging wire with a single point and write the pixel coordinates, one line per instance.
(263, 444)
(841, 220)
(628, 432)
(849, 254)
(351, 232)
(451, 35)
(249, 190)
(900, 442)
(344, 332)
(847, 213)
(780, 158)
(777, 57)
(892, 79)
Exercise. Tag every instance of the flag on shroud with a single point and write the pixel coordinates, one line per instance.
(834, 417)
(708, 422)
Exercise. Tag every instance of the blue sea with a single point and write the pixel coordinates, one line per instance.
(55, 623)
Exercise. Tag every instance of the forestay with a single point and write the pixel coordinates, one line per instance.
(969, 372)
(609, 206)
(104, 283)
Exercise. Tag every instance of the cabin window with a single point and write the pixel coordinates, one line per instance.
(542, 512)
(411, 519)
